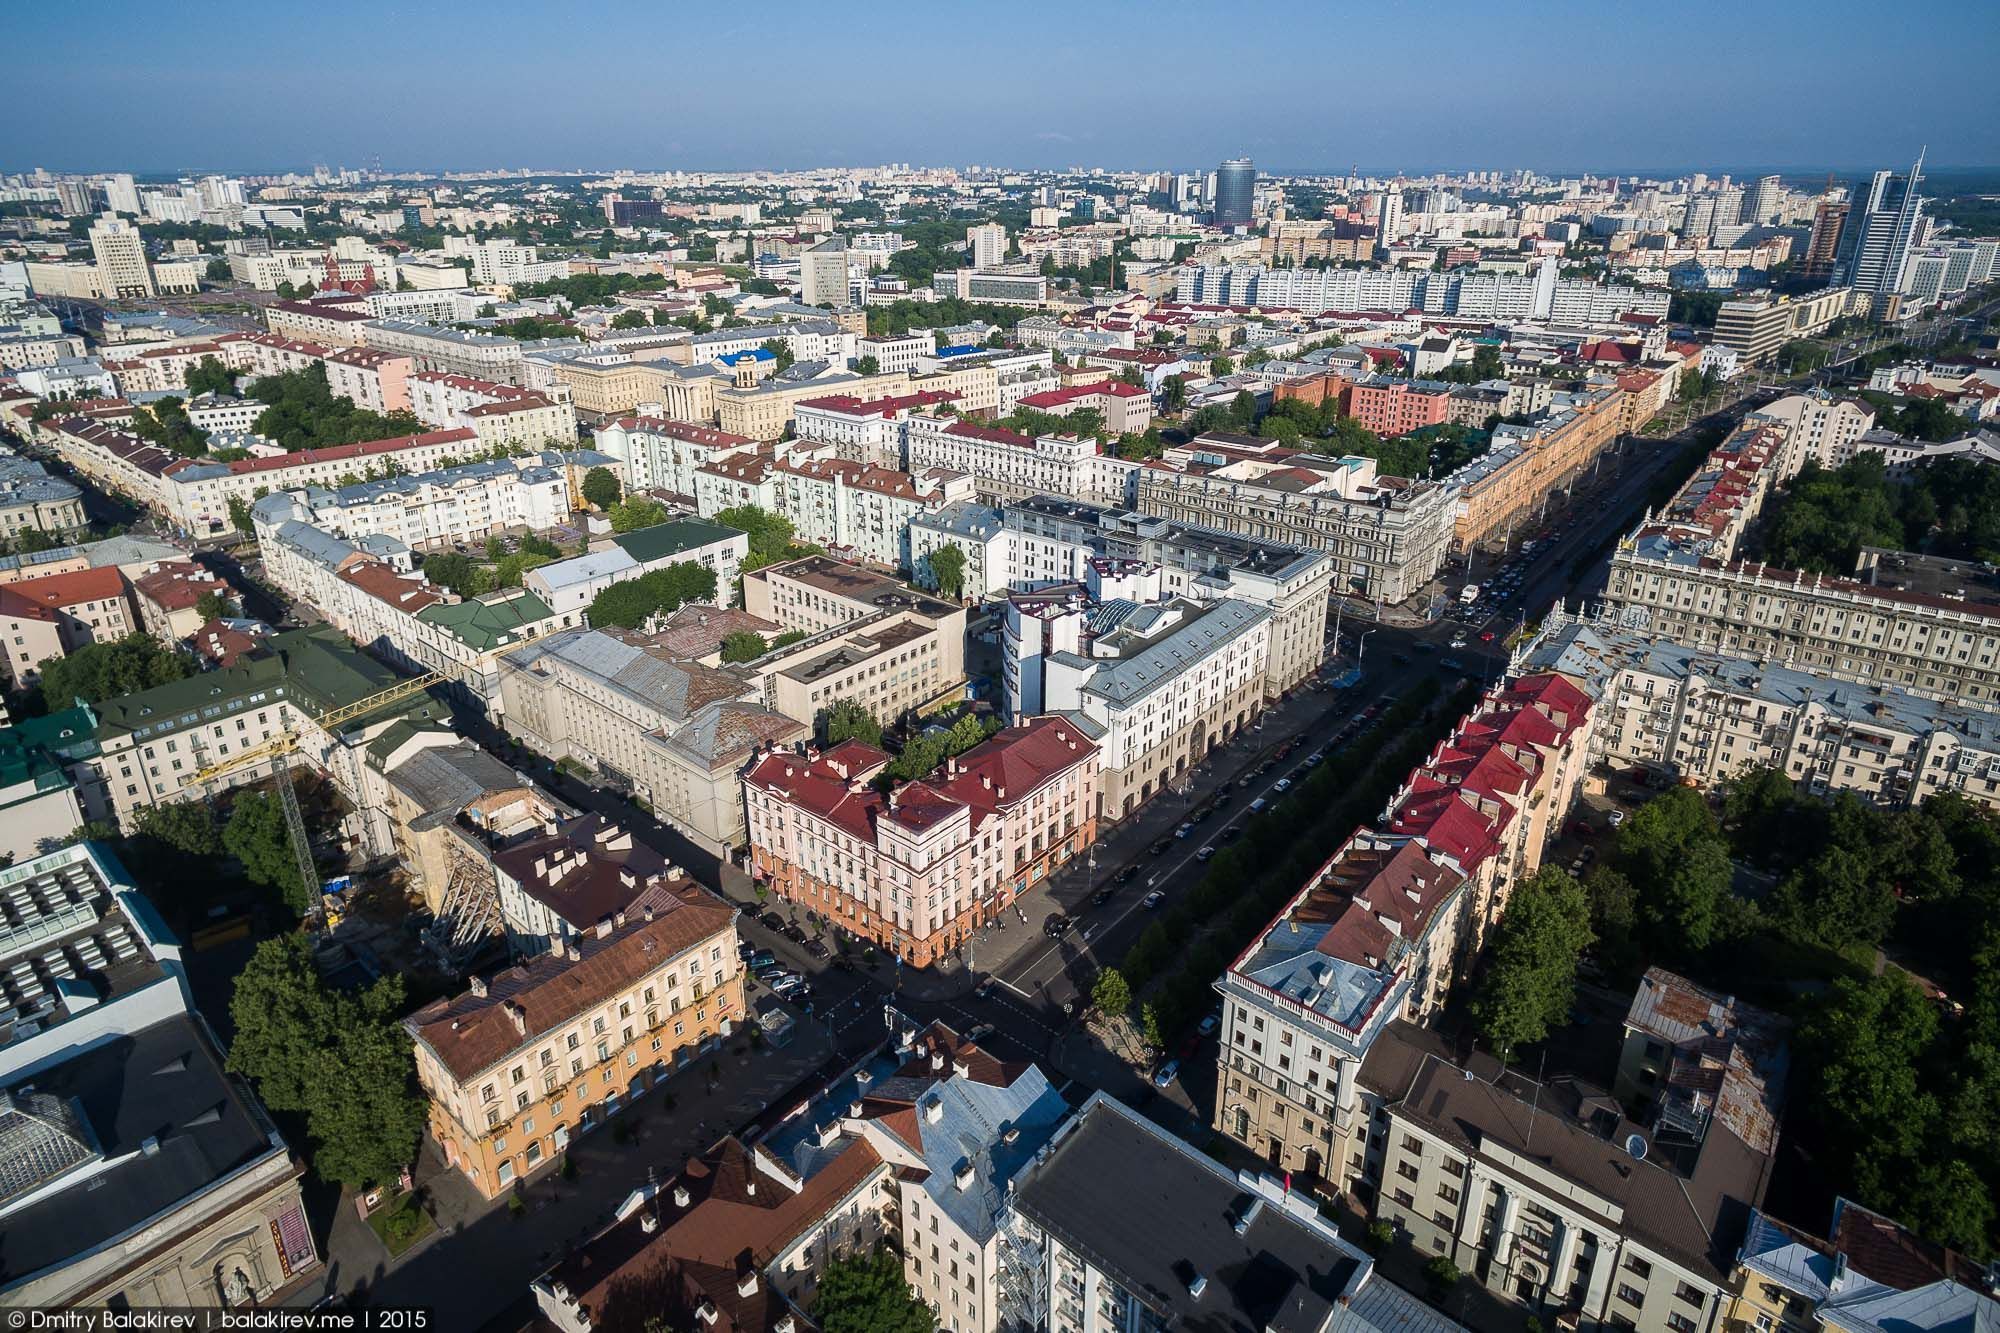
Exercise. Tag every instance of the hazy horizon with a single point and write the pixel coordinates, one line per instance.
(1560, 88)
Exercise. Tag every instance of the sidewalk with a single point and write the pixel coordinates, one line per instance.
(483, 1256)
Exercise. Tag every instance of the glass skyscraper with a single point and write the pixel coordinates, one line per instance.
(1235, 187)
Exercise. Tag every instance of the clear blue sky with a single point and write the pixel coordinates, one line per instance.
(1311, 84)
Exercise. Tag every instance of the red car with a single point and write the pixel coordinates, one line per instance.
(1486, 636)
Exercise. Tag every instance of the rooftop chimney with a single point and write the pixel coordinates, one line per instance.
(518, 1014)
(747, 1284)
(681, 1196)
(477, 985)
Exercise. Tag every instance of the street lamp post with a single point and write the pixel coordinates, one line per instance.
(1361, 644)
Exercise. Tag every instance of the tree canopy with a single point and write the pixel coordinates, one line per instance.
(946, 567)
(845, 719)
(869, 1294)
(341, 1061)
(635, 512)
(301, 412)
(743, 646)
(771, 536)
(257, 835)
(600, 488)
(107, 670)
(630, 603)
(1530, 979)
(1674, 853)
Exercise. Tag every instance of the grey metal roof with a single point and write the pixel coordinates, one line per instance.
(169, 1124)
(1288, 961)
(1202, 1247)
(443, 780)
(1145, 670)
(973, 1120)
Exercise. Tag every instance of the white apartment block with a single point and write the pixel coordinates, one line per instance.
(857, 509)
(461, 505)
(1006, 466)
(475, 355)
(869, 431)
(1823, 428)
(662, 455)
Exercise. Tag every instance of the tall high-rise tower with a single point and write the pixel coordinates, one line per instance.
(1235, 189)
(1882, 228)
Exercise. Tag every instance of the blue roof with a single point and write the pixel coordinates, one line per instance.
(753, 354)
(960, 349)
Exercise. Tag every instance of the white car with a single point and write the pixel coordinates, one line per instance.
(1281, 786)
(1458, 641)
(1616, 818)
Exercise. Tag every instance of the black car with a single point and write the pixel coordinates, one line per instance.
(1125, 876)
(816, 948)
(1056, 927)
(843, 962)
(772, 919)
(1101, 897)
(793, 933)
(1160, 846)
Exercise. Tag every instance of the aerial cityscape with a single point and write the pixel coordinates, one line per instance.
(864, 679)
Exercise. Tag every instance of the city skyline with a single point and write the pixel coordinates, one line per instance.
(1059, 98)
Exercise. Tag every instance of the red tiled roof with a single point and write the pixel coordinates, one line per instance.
(340, 452)
(40, 598)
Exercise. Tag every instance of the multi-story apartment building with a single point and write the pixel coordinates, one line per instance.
(871, 431)
(1118, 1225)
(1868, 1272)
(1758, 326)
(894, 352)
(481, 356)
(1159, 689)
(912, 1147)
(31, 498)
(451, 506)
(1468, 295)
(1551, 1198)
(330, 323)
(765, 410)
(1122, 407)
(545, 1050)
(1497, 492)
(442, 400)
(861, 511)
(56, 614)
(1052, 539)
(1702, 716)
(1006, 466)
(664, 455)
(195, 495)
(370, 377)
(139, 1173)
(1823, 428)
(1390, 406)
(959, 1124)
(916, 871)
(980, 534)
(1388, 536)
(1385, 926)
(149, 748)
(1934, 642)
(650, 716)
(169, 595)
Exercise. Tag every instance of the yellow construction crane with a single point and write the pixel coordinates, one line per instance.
(285, 744)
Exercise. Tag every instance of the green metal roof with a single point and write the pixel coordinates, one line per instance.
(488, 622)
(647, 545)
(34, 749)
(318, 668)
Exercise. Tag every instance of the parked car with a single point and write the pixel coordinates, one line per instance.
(1101, 897)
(1125, 876)
(1209, 1023)
(1164, 1076)
(1281, 786)
(816, 948)
(1160, 846)
(1184, 831)
(1056, 927)
(760, 958)
(1205, 852)
(772, 919)
(1617, 817)
(1153, 900)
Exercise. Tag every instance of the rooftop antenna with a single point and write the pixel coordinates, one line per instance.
(1535, 1105)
